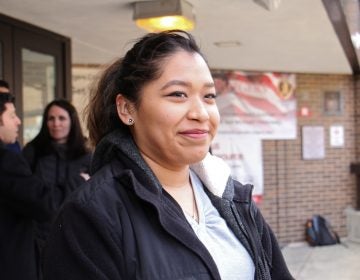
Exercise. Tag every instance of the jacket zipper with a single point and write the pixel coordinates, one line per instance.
(259, 272)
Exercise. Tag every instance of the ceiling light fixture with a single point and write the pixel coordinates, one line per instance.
(160, 15)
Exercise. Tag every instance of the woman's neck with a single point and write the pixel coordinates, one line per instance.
(170, 177)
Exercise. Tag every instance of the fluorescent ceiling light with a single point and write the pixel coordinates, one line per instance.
(163, 15)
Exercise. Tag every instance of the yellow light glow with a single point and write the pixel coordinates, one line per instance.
(157, 24)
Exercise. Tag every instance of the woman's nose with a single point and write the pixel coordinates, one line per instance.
(198, 110)
(56, 122)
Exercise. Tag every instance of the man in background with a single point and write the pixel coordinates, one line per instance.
(24, 198)
(4, 88)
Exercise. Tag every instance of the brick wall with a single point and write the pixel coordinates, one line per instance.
(295, 189)
(357, 115)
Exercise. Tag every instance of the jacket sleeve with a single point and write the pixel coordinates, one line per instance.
(278, 267)
(20, 190)
(82, 245)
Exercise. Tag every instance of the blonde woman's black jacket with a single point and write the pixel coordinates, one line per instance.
(121, 225)
(23, 199)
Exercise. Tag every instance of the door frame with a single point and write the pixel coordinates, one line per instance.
(16, 35)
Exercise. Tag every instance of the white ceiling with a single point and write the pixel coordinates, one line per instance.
(297, 37)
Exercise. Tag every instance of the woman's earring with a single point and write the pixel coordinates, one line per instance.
(131, 121)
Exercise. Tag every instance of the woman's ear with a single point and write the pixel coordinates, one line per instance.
(123, 109)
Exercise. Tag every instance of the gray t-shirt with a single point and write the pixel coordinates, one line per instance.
(230, 256)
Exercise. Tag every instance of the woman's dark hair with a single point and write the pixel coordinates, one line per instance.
(76, 142)
(142, 64)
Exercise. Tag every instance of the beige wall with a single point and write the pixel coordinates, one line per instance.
(83, 78)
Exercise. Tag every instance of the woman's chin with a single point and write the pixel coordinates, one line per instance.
(198, 156)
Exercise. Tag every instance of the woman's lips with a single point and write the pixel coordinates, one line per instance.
(195, 133)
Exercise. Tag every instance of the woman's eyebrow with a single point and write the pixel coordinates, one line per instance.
(210, 85)
(186, 84)
(175, 82)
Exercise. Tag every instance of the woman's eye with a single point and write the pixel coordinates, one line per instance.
(178, 94)
(210, 96)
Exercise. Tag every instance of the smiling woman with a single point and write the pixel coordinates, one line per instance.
(158, 205)
(186, 117)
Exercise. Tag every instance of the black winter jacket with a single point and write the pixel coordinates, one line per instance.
(23, 199)
(58, 171)
(122, 225)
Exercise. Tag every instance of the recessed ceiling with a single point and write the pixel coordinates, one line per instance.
(296, 37)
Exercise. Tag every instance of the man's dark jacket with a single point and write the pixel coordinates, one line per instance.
(23, 199)
(122, 225)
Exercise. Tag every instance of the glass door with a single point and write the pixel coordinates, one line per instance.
(38, 87)
(40, 78)
(37, 65)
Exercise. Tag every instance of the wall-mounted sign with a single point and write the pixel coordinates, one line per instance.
(332, 103)
(313, 143)
(337, 136)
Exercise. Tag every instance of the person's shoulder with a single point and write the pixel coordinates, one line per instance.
(98, 199)
(29, 145)
(28, 148)
(99, 189)
(94, 206)
(13, 162)
(242, 192)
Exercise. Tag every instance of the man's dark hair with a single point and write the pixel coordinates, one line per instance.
(5, 98)
(4, 84)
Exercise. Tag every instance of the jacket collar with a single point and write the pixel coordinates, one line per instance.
(214, 173)
(119, 145)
